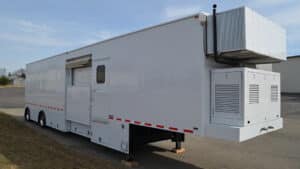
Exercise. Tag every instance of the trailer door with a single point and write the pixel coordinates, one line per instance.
(79, 93)
(101, 98)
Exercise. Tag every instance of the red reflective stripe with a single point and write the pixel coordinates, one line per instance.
(188, 131)
(173, 128)
(46, 107)
(160, 126)
(127, 121)
(119, 119)
(148, 124)
(137, 122)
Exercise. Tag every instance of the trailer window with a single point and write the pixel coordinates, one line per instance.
(101, 74)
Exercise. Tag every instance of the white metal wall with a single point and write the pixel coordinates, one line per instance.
(155, 78)
(45, 90)
(290, 71)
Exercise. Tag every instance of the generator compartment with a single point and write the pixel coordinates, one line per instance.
(245, 103)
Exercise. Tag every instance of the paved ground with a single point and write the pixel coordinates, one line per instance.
(290, 103)
(275, 150)
(11, 97)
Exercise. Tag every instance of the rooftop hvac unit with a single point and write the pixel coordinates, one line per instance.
(245, 36)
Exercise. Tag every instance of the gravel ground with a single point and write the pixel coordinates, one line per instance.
(278, 149)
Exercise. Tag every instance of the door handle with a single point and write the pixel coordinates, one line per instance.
(270, 127)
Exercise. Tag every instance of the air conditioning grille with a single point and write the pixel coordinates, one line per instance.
(227, 98)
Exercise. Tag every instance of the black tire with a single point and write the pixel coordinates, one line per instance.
(27, 114)
(42, 119)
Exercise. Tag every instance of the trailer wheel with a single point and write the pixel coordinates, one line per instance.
(27, 114)
(42, 119)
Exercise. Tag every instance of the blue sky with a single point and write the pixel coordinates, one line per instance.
(35, 29)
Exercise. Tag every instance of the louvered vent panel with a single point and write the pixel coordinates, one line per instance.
(253, 94)
(227, 98)
(274, 93)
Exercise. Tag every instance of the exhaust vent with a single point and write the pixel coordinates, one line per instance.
(227, 98)
(253, 94)
(274, 93)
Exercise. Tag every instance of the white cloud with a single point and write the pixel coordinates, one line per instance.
(28, 26)
(176, 12)
(34, 40)
(28, 33)
(288, 16)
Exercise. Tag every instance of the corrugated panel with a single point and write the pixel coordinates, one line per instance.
(247, 36)
(231, 36)
(227, 98)
(253, 94)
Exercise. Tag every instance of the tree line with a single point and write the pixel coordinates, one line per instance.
(4, 80)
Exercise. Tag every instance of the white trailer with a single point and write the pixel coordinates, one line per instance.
(192, 75)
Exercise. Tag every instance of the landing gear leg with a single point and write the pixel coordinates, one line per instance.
(178, 145)
(178, 139)
(129, 160)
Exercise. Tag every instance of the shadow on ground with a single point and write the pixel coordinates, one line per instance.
(148, 156)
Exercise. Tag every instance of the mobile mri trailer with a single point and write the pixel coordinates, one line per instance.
(194, 75)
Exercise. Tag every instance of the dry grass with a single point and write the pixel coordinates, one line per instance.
(11, 86)
(23, 148)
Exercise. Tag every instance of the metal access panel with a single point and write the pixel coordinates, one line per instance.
(246, 36)
(262, 96)
(245, 103)
(78, 104)
(227, 98)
